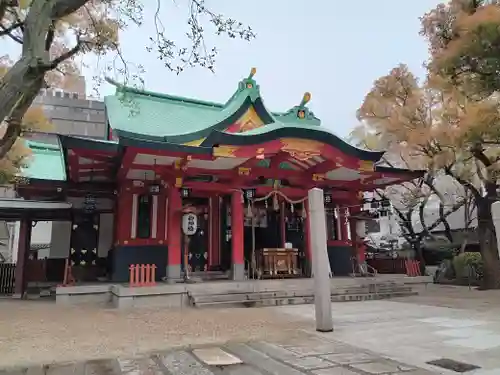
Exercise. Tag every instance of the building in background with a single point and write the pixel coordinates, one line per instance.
(71, 112)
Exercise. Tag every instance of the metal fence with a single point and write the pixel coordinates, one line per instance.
(7, 278)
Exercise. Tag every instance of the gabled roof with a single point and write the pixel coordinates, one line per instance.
(46, 161)
(177, 119)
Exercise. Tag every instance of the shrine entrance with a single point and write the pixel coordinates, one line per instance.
(195, 244)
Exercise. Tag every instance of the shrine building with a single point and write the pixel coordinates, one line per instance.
(211, 187)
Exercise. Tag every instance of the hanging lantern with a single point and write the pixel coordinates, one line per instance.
(346, 215)
(291, 208)
(267, 206)
(89, 203)
(276, 204)
(249, 209)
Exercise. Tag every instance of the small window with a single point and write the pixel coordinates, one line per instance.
(144, 216)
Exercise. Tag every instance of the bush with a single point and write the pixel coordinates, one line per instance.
(468, 265)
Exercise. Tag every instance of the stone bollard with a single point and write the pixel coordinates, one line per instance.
(495, 213)
(320, 261)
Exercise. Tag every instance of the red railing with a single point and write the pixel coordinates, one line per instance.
(412, 268)
(388, 266)
(68, 279)
(142, 275)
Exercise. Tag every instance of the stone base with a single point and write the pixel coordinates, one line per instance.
(173, 273)
(171, 296)
(238, 272)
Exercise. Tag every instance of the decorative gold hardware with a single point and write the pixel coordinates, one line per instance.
(244, 171)
(318, 177)
(224, 151)
(177, 164)
(301, 149)
(178, 182)
(366, 166)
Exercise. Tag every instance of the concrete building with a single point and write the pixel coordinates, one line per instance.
(72, 113)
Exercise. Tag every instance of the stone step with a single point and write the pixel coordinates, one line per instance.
(303, 300)
(255, 296)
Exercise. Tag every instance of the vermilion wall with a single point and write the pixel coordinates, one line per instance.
(124, 217)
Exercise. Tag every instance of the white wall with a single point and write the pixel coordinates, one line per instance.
(60, 239)
(105, 234)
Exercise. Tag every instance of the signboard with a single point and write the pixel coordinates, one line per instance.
(189, 224)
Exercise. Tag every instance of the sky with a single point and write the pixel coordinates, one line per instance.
(333, 49)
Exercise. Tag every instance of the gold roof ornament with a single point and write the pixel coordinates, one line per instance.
(305, 99)
(252, 73)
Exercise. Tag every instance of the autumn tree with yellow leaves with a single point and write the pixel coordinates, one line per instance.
(451, 122)
(53, 33)
(33, 120)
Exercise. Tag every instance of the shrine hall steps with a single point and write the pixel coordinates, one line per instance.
(298, 297)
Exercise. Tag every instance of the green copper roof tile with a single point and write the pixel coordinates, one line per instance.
(45, 163)
(159, 115)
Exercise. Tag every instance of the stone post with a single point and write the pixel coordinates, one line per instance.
(320, 261)
(495, 213)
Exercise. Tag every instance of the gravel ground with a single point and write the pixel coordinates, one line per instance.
(459, 297)
(33, 332)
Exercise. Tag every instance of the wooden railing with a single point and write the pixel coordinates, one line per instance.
(396, 266)
(7, 278)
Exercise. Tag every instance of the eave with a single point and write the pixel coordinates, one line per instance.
(222, 138)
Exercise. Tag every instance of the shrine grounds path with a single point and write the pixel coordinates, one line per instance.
(443, 322)
(34, 332)
(398, 335)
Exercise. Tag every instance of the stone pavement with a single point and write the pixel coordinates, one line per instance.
(416, 334)
(307, 355)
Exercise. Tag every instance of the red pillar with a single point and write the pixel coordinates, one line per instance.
(237, 232)
(213, 257)
(22, 257)
(174, 233)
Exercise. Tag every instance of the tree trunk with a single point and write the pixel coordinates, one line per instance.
(18, 88)
(488, 244)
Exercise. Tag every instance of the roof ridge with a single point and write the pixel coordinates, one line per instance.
(121, 88)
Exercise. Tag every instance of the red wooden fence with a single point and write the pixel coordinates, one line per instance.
(142, 275)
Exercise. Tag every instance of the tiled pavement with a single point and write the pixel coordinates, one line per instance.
(309, 355)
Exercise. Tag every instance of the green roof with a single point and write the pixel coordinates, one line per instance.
(46, 162)
(179, 120)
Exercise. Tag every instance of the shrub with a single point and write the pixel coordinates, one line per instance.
(468, 265)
